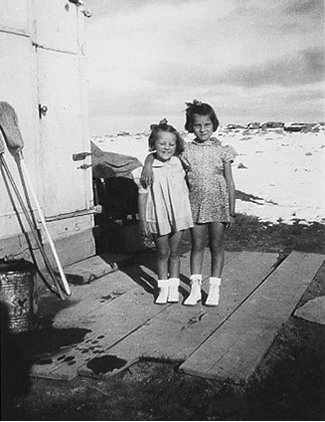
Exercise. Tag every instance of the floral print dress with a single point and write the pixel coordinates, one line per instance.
(208, 193)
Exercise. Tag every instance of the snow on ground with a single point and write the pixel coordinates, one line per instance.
(283, 172)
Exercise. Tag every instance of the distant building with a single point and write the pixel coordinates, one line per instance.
(300, 127)
(272, 125)
(232, 126)
(253, 125)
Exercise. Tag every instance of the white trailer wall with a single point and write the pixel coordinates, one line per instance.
(42, 64)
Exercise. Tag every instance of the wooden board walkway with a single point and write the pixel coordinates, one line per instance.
(112, 307)
(119, 312)
(109, 323)
(235, 350)
(178, 331)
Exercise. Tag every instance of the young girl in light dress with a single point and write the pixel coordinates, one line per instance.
(211, 194)
(164, 207)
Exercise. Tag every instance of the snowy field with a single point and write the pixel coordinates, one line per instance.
(282, 172)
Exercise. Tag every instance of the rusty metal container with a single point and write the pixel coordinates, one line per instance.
(18, 292)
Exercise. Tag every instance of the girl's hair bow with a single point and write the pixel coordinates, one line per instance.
(164, 121)
(194, 103)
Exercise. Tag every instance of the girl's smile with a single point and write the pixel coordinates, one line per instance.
(165, 146)
(202, 127)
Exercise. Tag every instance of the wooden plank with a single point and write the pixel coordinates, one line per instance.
(95, 267)
(88, 270)
(114, 318)
(313, 310)
(109, 323)
(178, 331)
(88, 307)
(185, 264)
(234, 351)
(87, 298)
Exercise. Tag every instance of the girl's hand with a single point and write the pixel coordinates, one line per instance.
(146, 177)
(144, 229)
(185, 164)
(232, 221)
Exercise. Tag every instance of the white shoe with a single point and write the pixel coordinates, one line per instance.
(195, 294)
(173, 293)
(214, 292)
(163, 292)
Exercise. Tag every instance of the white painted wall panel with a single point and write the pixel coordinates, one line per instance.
(60, 87)
(56, 25)
(14, 16)
(41, 62)
(18, 86)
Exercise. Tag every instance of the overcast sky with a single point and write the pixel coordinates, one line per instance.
(253, 60)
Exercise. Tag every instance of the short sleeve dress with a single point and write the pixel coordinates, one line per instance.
(168, 207)
(209, 197)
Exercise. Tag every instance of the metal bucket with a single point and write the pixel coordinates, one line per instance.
(17, 291)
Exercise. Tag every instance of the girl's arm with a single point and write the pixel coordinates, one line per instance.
(231, 188)
(142, 204)
(146, 177)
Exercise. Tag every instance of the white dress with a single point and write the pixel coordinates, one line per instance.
(168, 207)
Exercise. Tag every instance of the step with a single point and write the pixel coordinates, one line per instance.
(234, 351)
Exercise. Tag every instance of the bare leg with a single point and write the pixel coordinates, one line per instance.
(174, 266)
(216, 232)
(162, 256)
(174, 258)
(198, 234)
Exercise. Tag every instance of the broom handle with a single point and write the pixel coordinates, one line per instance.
(5, 169)
(64, 280)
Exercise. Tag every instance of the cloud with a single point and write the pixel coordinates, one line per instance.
(219, 35)
(113, 8)
(147, 57)
(304, 67)
(311, 8)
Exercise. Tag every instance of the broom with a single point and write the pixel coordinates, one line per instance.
(5, 170)
(14, 141)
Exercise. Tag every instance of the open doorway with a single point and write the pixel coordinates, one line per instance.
(117, 226)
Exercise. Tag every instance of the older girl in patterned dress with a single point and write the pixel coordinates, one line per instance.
(211, 193)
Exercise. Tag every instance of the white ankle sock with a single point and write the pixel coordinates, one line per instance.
(196, 277)
(195, 294)
(215, 280)
(173, 293)
(214, 291)
(163, 292)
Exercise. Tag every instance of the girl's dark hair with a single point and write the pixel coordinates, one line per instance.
(202, 109)
(163, 126)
